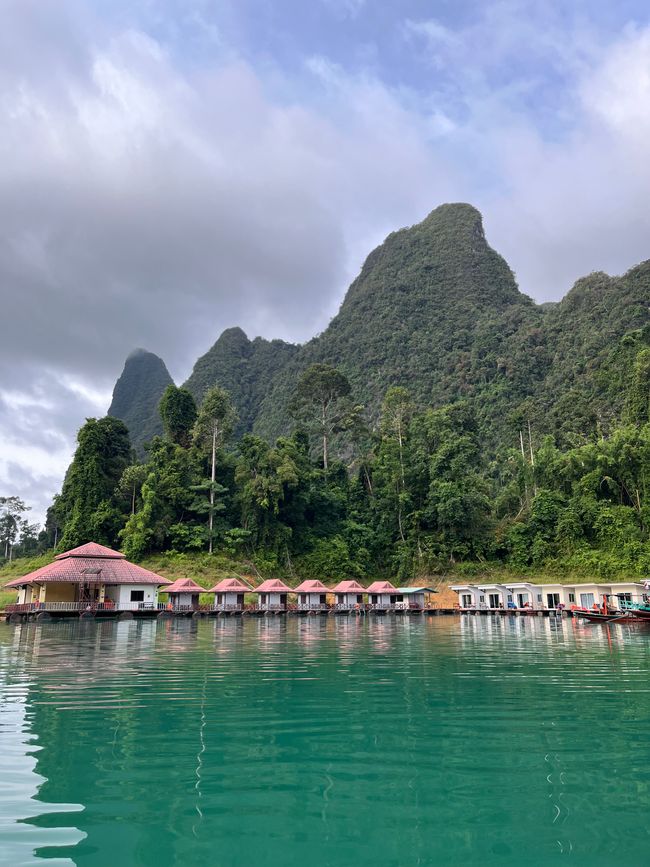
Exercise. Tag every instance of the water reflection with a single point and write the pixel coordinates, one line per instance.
(327, 741)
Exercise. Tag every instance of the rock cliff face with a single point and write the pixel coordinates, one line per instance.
(137, 394)
(437, 310)
(245, 368)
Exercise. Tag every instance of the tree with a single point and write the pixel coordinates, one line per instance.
(213, 428)
(11, 523)
(86, 506)
(321, 402)
(130, 484)
(178, 414)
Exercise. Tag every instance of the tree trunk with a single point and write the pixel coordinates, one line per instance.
(324, 439)
(212, 477)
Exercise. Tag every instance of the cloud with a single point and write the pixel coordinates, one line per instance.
(153, 197)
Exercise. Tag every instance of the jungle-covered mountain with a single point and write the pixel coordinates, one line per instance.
(443, 420)
(137, 394)
(245, 368)
(437, 310)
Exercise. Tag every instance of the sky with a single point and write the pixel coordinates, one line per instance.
(171, 168)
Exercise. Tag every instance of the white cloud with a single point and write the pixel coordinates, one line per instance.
(148, 204)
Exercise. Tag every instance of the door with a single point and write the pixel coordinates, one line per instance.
(522, 599)
(552, 600)
(586, 600)
(494, 600)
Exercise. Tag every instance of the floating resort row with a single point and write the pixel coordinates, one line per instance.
(95, 581)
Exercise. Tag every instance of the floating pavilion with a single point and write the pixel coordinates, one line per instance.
(229, 598)
(90, 580)
(184, 594)
(312, 597)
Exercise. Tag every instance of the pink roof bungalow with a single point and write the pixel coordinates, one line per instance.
(229, 597)
(382, 595)
(348, 596)
(312, 596)
(272, 596)
(89, 578)
(184, 594)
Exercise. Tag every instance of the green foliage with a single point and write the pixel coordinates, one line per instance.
(178, 414)
(137, 394)
(87, 507)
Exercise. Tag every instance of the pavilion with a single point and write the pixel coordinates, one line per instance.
(89, 579)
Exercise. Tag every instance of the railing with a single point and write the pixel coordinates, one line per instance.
(311, 606)
(109, 605)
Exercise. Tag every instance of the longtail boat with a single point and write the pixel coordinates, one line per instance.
(602, 617)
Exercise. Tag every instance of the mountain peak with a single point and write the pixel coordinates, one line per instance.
(137, 394)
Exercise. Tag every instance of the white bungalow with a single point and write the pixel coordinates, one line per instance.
(469, 596)
(496, 595)
(91, 578)
(230, 595)
(526, 595)
(629, 591)
(272, 595)
(312, 596)
(348, 595)
(413, 598)
(382, 595)
(184, 594)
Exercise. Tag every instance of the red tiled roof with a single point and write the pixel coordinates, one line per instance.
(348, 587)
(381, 587)
(312, 587)
(91, 549)
(273, 585)
(230, 585)
(76, 567)
(185, 585)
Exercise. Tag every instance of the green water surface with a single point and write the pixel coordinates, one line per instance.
(325, 741)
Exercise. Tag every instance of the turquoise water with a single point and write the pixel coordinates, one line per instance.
(325, 741)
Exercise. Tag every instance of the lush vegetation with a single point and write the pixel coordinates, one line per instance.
(443, 421)
(416, 495)
(137, 394)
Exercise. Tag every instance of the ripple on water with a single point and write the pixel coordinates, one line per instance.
(325, 741)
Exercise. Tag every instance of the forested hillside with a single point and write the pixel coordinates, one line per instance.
(137, 394)
(245, 368)
(441, 421)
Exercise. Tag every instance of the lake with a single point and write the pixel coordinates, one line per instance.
(325, 742)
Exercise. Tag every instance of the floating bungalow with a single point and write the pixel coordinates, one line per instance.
(272, 596)
(229, 598)
(90, 580)
(382, 596)
(348, 596)
(312, 597)
(414, 599)
(184, 595)
(526, 596)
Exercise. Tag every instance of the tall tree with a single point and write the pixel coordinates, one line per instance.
(86, 504)
(12, 523)
(178, 414)
(321, 402)
(212, 430)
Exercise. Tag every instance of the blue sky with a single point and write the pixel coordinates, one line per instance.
(170, 169)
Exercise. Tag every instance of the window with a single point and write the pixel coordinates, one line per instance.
(572, 597)
(219, 598)
(539, 597)
(322, 599)
(626, 597)
(303, 598)
(359, 598)
(137, 596)
(481, 598)
(510, 597)
(586, 600)
(374, 598)
(263, 597)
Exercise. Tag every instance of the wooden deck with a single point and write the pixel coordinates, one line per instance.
(62, 610)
